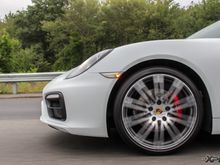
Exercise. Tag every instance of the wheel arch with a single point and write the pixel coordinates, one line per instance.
(207, 120)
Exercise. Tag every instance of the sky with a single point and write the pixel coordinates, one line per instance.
(13, 5)
(187, 2)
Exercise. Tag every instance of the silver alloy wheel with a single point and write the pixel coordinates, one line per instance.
(159, 111)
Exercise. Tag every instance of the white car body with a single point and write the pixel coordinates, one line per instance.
(86, 96)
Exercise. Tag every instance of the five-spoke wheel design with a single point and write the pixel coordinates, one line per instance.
(159, 110)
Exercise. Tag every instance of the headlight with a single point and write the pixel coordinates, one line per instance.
(88, 63)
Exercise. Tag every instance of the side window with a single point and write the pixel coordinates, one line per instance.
(212, 31)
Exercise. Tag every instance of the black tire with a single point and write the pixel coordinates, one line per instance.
(133, 140)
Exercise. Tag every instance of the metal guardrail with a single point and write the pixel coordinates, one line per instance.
(27, 77)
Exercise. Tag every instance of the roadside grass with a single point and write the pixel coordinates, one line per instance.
(23, 87)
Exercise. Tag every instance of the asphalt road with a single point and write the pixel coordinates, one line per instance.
(24, 140)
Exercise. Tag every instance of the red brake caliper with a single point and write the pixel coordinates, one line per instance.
(179, 111)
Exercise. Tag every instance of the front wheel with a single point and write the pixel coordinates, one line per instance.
(158, 110)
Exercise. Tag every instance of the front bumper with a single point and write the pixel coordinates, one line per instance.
(86, 98)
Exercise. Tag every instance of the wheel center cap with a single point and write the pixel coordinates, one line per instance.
(158, 111)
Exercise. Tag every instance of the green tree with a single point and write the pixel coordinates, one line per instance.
(2, 27)
(27, 60)
(61, 34)
(7, 46)
(123, 21)
(73, 37)
(26, 25)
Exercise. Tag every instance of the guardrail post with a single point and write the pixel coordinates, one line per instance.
(14, 88)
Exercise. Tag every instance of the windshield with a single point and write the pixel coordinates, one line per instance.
(212, 31)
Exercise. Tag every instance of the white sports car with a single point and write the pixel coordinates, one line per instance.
(157, 94)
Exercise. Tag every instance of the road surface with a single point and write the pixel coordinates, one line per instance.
(24, 140)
